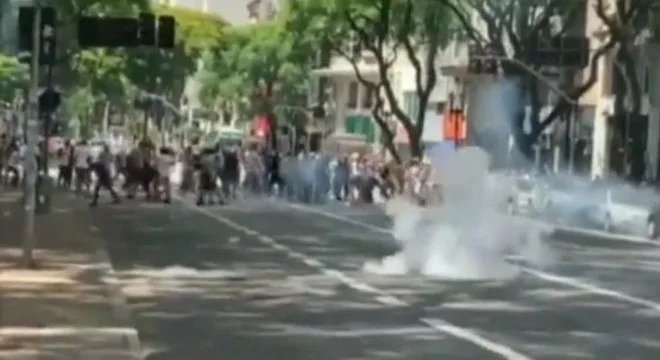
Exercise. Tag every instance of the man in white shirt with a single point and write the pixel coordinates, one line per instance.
(165, 164)
(81, 159)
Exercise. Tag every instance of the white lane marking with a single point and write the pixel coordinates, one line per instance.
(604, 235)
(575, 283)
(437, 324)
(593, 289)
(66, 331)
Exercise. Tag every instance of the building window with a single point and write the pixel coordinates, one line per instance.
(352, 95)
(367, 97)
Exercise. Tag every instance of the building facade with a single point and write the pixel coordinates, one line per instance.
(351, 103)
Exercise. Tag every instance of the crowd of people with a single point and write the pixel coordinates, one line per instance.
(218, 174)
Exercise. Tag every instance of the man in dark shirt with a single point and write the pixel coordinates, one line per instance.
(230, 173)
(273, 170)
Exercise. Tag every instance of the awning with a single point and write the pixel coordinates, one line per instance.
(461, 72)
(346, 70)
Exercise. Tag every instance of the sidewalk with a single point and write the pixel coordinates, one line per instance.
(71, 307)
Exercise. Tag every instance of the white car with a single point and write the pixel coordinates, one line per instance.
(631, 210)
(568, 199)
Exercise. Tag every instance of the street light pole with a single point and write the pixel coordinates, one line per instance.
(30, 160)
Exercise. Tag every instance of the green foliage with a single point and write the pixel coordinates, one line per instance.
(13, 76)
(98, 75)
(196, 31)
(255, 61)
(165, 71)
(389, 31)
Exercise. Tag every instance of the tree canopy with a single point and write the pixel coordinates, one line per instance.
(13, 77)
(256, 67)
(391, 32)
(514, 29)
(114, 76)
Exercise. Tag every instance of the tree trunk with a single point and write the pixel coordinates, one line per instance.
(416, 145)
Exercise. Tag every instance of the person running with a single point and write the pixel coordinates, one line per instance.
(133, 172)
(64, 162)
(165, 164)
(208, 188)
(81, 160)
(230, 174)
(101, 168)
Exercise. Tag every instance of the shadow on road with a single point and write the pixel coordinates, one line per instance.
(200, 289)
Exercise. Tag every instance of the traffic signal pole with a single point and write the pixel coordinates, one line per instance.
(536, 75)
(48, 121)
(32, 134)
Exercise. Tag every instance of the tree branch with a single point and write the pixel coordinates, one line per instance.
(563, 104)
(382, 64)
(463, 18)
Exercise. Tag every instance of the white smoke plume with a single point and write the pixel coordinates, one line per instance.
(468, 237)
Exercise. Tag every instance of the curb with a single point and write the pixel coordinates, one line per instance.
(118, 302)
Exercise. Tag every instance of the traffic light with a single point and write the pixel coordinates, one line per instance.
(26, 24)
(107, 32)
(490, 66)
(482, 60)
(475, 64)
(49, 100)
(166, 32)
(147, 29)
(491, 60)
(47, 36)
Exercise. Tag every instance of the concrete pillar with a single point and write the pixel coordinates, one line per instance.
(601, 137)
(341, 86)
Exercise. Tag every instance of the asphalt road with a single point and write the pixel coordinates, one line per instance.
(257, 280)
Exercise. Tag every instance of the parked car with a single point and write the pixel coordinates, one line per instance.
(569, 199)
(630, 210)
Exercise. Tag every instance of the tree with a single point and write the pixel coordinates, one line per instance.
(391, 31)
(514, 28)
(100, 74)
(628, 26)
(13, 75)
(260, 66)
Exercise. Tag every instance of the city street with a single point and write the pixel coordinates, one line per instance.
(260, 279)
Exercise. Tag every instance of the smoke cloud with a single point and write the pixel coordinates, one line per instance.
(468, 237)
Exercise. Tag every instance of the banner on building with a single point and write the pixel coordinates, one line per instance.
(455, 126)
